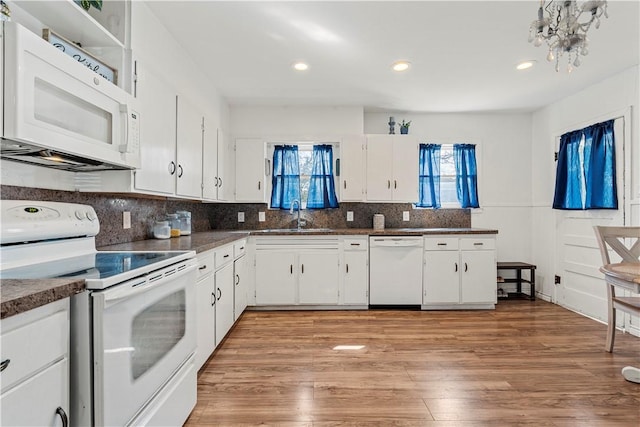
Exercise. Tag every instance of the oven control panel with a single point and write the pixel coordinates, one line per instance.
(32, 221)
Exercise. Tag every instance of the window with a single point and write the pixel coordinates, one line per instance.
(586, 173)
(448, 176)
(303, 172)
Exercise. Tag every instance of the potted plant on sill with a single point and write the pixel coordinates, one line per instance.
(86, 4)
(404, 127)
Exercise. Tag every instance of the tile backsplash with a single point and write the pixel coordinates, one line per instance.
(145, 210)
(225, 216)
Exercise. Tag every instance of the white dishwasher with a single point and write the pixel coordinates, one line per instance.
(395, 270)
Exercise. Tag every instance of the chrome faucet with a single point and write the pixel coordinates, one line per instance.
(293, 203)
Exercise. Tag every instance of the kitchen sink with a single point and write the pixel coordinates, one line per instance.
(294, 230)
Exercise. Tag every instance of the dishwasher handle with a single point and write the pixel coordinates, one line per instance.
(396, 242)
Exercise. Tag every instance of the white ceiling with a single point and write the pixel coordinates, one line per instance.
(463, 53)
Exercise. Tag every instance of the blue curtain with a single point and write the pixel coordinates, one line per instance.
(600, 167)
(429, 176)
(322, 189)
(464, 156)
(587, 181)
(569, 178)
(286, 176)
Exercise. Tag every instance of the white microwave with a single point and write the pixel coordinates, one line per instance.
(60, 114)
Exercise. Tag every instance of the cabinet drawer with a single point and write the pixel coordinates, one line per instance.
(479, 244)
(355, 244)
(35, 401)
(31, 347)
(441, 244)
(239, 248)
(224, 255)
(206, 263)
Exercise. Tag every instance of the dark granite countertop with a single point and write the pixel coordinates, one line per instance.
(204, 241)
(199, 242)
(17, 296)
(20, 295)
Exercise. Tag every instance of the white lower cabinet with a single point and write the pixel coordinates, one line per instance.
(241, 273)
(318, 278)
(459, 272)
(35, 367)
(355, 270)
(224, 291)
(205, 308)
(275, 277)
(297, 271)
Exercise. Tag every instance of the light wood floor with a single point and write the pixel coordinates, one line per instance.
(526, 363)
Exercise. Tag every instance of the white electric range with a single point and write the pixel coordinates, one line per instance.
(132, 333)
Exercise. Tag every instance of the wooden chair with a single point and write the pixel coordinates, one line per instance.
(612, 238)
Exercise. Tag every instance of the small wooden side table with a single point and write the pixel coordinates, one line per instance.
(519, 280)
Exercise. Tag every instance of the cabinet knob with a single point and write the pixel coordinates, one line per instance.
(213, 299)
(4, 364)
(395, 184)
(456, 270)
(172, 168)
(181, 171)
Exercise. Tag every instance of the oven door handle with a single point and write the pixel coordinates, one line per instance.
(143, 284)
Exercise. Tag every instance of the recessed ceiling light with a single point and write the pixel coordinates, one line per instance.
(525, 64)
(300, 66)
(401, 66)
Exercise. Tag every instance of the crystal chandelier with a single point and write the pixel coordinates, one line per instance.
(563, 24)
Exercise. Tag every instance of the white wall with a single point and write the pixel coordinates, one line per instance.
(594, 104)
(306, 123)
(504, 167)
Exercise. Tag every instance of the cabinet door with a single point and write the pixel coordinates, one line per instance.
(379, 168)
(226, 176)
(352, 169)
(319, 281)
(250, 170)
(478, 277)
(441, 277)
(210, 180)
(157, 133)
(189, 149)
(276, 274)
(206, 319)
(35, 402)
(405, 169)
(356, 278)
(224, 301)
(241, 286)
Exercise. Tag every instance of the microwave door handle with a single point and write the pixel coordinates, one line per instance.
(124, 110)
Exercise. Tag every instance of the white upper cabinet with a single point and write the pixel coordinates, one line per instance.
(392, 168)
(157, 135)
(189, 149)
(216, 184)
(250, 170)
(103, 33)
(171, 140)
(210, 179)
(352, 169)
